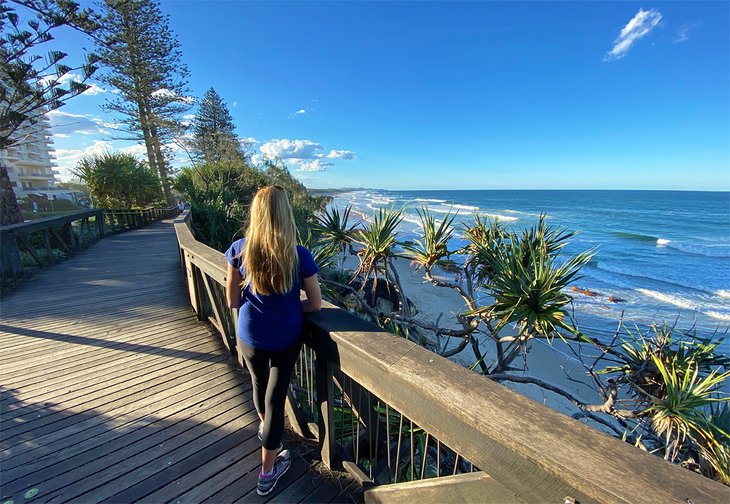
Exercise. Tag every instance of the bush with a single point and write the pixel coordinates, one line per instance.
(28, 260)
(119, 181)
(220, 194)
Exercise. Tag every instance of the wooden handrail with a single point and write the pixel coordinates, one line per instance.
(26, 228)
(532, 452)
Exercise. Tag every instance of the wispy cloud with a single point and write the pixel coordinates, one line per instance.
(637, 28)
(314, 165)
(683, 33)
(63, 123)
(341, 154)
(306, 155)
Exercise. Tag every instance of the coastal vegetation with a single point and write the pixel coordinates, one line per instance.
(119, 181)
(662, 389)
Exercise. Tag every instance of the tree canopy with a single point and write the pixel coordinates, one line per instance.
(143, 61)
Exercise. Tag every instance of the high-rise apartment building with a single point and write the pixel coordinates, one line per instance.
(30, 163)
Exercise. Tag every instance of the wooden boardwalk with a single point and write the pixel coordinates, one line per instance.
(112, 391)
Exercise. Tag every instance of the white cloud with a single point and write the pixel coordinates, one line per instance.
(59, 135)
(247, 141)
(300, 112)
(683, 33)
(136, 150)
(341, 154)
(65, 124)
(638, 27)
(291, 149)
(166, 93)
(306, 155)
(93, 90)
(163, 93)
(67, 159)
(314, 165)
(235, 104)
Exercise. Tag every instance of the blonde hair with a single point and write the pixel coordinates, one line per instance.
(270, 256)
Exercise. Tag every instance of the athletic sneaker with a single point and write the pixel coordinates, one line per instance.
(260, 435)
(267, 482)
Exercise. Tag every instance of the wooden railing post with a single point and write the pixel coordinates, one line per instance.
(325, 403)
(10, 256)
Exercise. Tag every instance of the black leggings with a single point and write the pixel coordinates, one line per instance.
(271, 372)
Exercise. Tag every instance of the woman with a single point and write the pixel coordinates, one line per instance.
(266, 271)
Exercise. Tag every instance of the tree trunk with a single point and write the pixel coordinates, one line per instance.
(161, 165)
(9, 209)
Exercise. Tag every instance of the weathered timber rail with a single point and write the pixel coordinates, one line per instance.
(415, 426)
(112, 390)
(50, 240)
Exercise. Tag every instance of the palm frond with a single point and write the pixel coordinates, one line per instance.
(378, 240)
(433, 249)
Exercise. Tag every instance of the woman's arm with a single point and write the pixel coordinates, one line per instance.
(313, 302)
(233, 287)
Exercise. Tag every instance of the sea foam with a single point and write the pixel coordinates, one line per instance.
(718, 315)
(670, 299)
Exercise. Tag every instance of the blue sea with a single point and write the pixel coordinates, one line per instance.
(666, 254)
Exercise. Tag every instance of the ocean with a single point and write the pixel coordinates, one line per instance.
(666, 254)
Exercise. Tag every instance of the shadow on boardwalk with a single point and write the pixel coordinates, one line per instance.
(114, 392)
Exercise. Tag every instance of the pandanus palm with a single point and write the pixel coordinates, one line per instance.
(378, 240)
(676, 384)
(334, 228)
(433, 249)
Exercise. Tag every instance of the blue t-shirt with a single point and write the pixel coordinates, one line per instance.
(272, 322)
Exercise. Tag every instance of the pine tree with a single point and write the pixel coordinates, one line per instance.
(142, 58)
(214, 138)
(30, 81)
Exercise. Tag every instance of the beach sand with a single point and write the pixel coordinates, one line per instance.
(550, 364)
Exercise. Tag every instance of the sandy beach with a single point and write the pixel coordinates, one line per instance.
(547, 363)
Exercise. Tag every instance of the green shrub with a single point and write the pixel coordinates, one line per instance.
(55, 256)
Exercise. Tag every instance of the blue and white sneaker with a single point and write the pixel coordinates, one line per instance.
(267, 482)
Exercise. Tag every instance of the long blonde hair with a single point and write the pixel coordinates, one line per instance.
(270, 256)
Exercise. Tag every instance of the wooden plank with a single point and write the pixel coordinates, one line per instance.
(216, 485)
(64, 366)
(92, 468)
(86, 383)
(128, 471)
(16, 344)
(78, 396)
(83, 348)
(86, 434)
(14, 434)
(184, 405)
(190, 471)
(472, 488)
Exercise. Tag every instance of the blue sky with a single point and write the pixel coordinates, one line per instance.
(408, 95)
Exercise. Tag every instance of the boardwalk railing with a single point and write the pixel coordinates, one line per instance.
(43, 242)
(413, 425)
